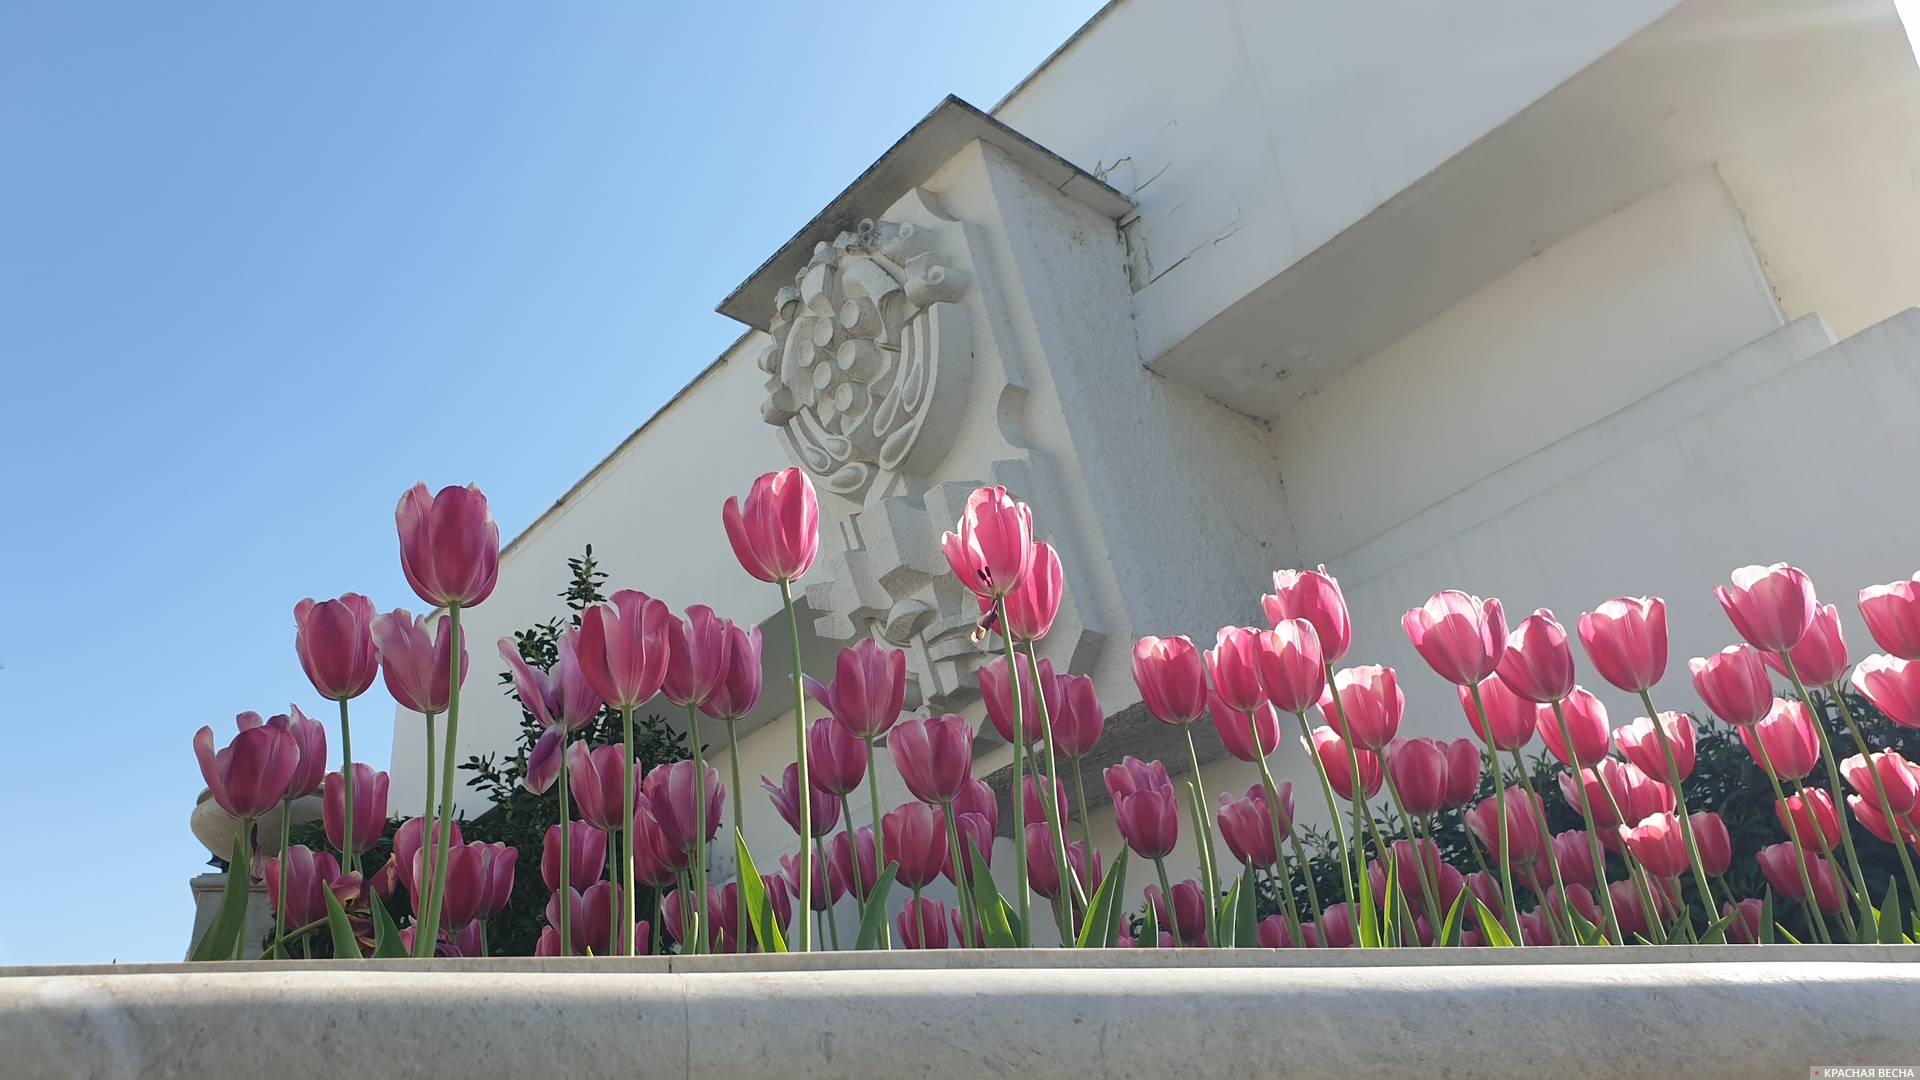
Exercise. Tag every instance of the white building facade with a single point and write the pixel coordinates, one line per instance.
(1550, 302)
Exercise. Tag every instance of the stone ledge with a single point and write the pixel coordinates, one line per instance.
(1523, 1013)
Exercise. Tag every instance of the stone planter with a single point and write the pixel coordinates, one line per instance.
(1702, 1011)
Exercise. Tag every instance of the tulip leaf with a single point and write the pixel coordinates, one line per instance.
(1766, 918)
(1246, 928)
(1788, 934)
(1101, 922)
(1224, 918)
(1449, 935)
(1151, 931)
(345, 946)
(1491, 931)
(873, 921)
(1889, 917)
(755, 901)
(1588, 933)
(386, 936)
(1717, 930)
(222, 939)
(1366, 930)
(988, 903)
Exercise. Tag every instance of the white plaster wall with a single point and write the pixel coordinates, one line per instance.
(1591, 324)
(1250, 133)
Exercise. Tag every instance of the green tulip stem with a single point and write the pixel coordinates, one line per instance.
(621, 938)
(348, 861)
(1686, 822)
(566, 856)
(1553, 857)
(1019, 776)
(1809, 898)
(1080, 798)
(1879, 790)
(700, 815)
(280, 909)
(1203, 836)
(1502, 855)
(425, 936)
(1333, 811)
(1050, 804)
(733, 767)
(1593, 842)
(1283, 877)
(1836, 789)
(805, 897)
(879, 837)
(957, 854)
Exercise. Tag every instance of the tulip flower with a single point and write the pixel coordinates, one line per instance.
(1043, 876)
(1249, 736)
(598, 779)
(1578, 898)
(1461, 637)
(786, 800)
(1771, 606)
(833, 879)
(1896, 775)
(1809, 817)
(922, 924)
(739, 690)
(1414, 874)
(311, 738)
(586, 854)
(1035, 809)
(545, 762)
(1734, 684)
(776, 534)
(1576, 732)
(1538, 663)
(1779, 864)
(836, 758)
(974, 831)
(1639, 744)
(369, 808)
(992, 547)
(1333, 754)
(1868, 812)
(1626, 638)
(1172, 678)
(1657, 843)
(1486, 889)
(598, 903)
(1418, 770)
(1510, 719)
(916, 836)
(868, 691)
(867, 864)
(1893, 685)
(1079, 723)
(673, 792)
(722, 919)
(977, 797)
(1627, 904)
(1524, 840)
(1247, 826)
(1188, 918)
(1821, 656)
(449, 545)
(1784, 744)
(466, 883)
(251, 774)
(1745, 927)
(1231, 666)
(996, 692)
(1145, 809)
(1463, 772)
(1273, 933)
(497, 866)
(416, 659)
(697, 656)
(334, 640)
(1576, 860)
(623, 648)
(1033, 604)
(1892, 612)
(1288, 666)
(657, 860)
(1335, 928)
(1715, 844)
(1314, 596)
(934, 756)
(1365, 704)
(298, 877)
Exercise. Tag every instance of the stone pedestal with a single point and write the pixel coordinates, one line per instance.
(208, 890)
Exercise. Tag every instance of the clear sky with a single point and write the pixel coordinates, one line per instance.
(264, 266)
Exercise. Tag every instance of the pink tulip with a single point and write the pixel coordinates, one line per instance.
(334, 640)
(1538, 662)
(721, 923)
(1659, 845)
(1247, 736)
(467, 882)
(869, 688)
(416, 659)
(1579, 898)
(1043, 876)
(1463, 772)
(1486, 889)
(1081, 720)
(497, 866)
(1896, 776)
(597, 783)
(1626, 638)
(825, 808)
(1620, 783)
(369, 807)
(1639, 744)
(1145, 809)
(408, 842)
(976, 834)
(1188, 920)
(1893, 685)
(623, 647)
(829, 881)
(1035, 809)
(1418, 769)
(1892, 612)
(1575, 858)
(845, 864)
(586, 855)
(1033, 604)
(976, 797)
(915, 836)
(1632, 913)
(992, 548)
(697, 660)
(1371, 703)
(1808, 817)
(1407, 870)
(449, 545)
(251, 774)
(673, 791)
(1734, 684)
(1524, 841)
(1273, 933)
(1771, 606)
(593, 924)
(1231, 666)
(1786, 738)
(1745, 927)
(1287, 662)
(1779, 864)
(1867, 812)
(739, 691)
(301, 877)
(777, 534)
(1313, 595)
(836, 758)
(1172, 678)
(995, 691)
(1509, 717)
(311, 737)
(657, 859)
(1585, 731)
(1247, 826)
(1821, 656)
(1711, 837)
(922, 924)
(934, 756)
(1332, 752)
(545, 761)
(1335, 927)
(1461, 637)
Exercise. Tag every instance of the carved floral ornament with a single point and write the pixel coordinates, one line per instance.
(868, 342)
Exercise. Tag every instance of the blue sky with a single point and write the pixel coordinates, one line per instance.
(264, 266)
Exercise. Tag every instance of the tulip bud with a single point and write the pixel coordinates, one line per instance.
(1626, 638)
(1771, 606)
(868, 691)
(449, 545)
(777, 535)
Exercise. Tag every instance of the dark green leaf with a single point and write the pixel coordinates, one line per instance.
(1491, 931)
(1450, 928)
(989, 905)
(755, 901)
(1101, 907)
(873, 921)
(222, 938)
(1246, 929)
(344, 943)
(386, 936)
(1889, 916)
